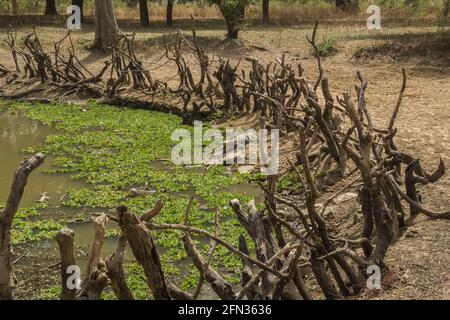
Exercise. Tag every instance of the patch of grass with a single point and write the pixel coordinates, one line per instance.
(50, 293)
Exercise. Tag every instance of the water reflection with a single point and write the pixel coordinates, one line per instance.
(17, 133)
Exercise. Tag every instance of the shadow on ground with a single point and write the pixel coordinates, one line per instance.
(423, 49)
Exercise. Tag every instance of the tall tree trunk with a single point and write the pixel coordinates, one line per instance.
(50, 8)
(106, 29)
(79, 3)
(7, 279)
(169, 12)
(13, 7)
(233, 18)
(65, 240)
(446, 8)
(143, 12)
(232, 30)
(265, 11)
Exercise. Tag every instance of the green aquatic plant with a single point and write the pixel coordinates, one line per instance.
(25, 230)
(28, 227)
(114, 149)
(136, 281)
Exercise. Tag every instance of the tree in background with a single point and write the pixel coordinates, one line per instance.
(79, 3)
(233, 12)
(50, 8)
(131, 3)
(143, 13)
(348, 5)
(446, 8)
(13, 7)
(106, 28)
(265, 11)
(169, 12)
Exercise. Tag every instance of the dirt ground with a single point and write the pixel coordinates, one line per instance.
(421, 258)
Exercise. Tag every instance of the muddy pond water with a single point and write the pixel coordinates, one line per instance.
(17, 133)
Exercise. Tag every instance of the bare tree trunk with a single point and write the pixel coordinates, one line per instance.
(143, 13)
(79, 3)
(13, 7)
(96, 278)
(232, 31)
(7, 280)
(143, 247)
(65, 239)
(114, 265)
(50, 8)
(106, 29)
(265, 11)
(99, 273)
(169, 12)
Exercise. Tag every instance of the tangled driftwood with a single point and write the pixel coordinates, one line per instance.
(338, 130)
